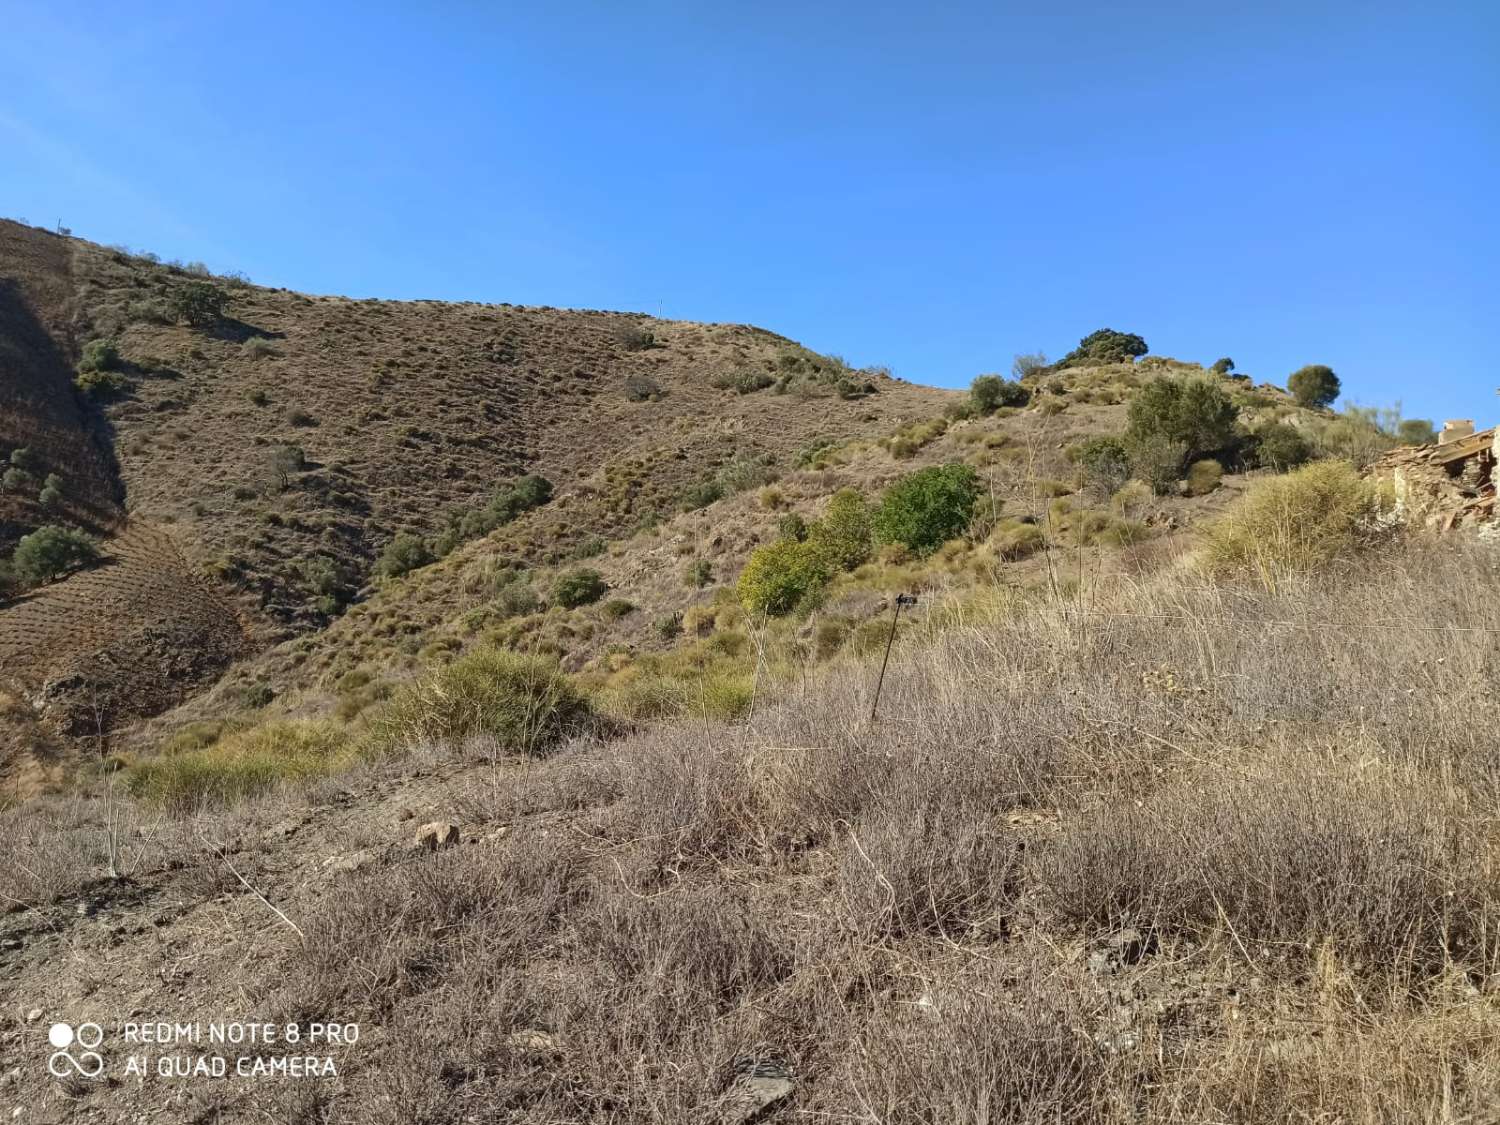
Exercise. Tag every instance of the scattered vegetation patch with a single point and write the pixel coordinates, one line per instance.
(242, 764)
(524, 702)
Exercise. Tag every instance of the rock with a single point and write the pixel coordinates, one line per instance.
(342, 864)
(752, 1095)
(33, 1015)
(534, 1040)
(1130, 945)
(435, 836)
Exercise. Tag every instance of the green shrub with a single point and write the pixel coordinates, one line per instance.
(240, 764)
(403, 554)
(1105, 346)
(781, 576)
(1105, 462)
(49, 552)
(100, 355)
(525, 702)
(845, 534)
(792, 526)
(1194, 412)
(701, 495)
(101, 384)
(742, 382)
(1222, 366)
(1280, 447)
(638, 388)
(17, 480)
(1157, 460)
(988, 393)
(634, 338)
(926, 508)
(669, 626)
(516, 599)
(509, 503)
(1314, 385)
(616, 608)
(1203, 477)
(578, 587)
(23, 457)
(1291, 524)
(198, 303)
(698, 573)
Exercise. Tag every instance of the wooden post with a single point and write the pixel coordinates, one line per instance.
(901, 600)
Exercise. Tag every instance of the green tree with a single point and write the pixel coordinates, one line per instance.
(16, 480)
(1416, 431)
(49, 552)
(1105, 463)
(782, 575)
(579, 587)
(988, 393)
(198, 303)
(1106, 346)
(51, 495)
(1028, 363)
(1314, 385)
(845, 534)
(1195, 413)
(284, 461)
(1280, 447)
(24, 457)
(1222, 366)
(926, 508)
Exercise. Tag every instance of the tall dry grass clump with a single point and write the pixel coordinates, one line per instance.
(524, 702)
(1292, 524)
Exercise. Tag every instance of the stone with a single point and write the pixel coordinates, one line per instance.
(342, 864)
(1130, 945)
(534, 1040)
(435, 836)
(752, 1095)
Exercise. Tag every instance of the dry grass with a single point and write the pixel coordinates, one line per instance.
(1287, 797)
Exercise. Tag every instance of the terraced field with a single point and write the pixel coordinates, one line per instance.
(124, 639)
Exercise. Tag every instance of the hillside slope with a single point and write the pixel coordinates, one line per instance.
(404, 416)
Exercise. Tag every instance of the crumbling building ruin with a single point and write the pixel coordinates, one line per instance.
(1447, 485)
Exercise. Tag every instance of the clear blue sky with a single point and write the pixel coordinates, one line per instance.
(932, 187)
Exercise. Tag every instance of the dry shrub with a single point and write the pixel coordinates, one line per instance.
(382, 937)
(1298, 853)
(1009, 1046)
(1292, 524)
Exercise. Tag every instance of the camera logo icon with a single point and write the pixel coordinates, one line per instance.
(88, 1063)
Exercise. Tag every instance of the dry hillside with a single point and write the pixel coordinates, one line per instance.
(406, 414)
